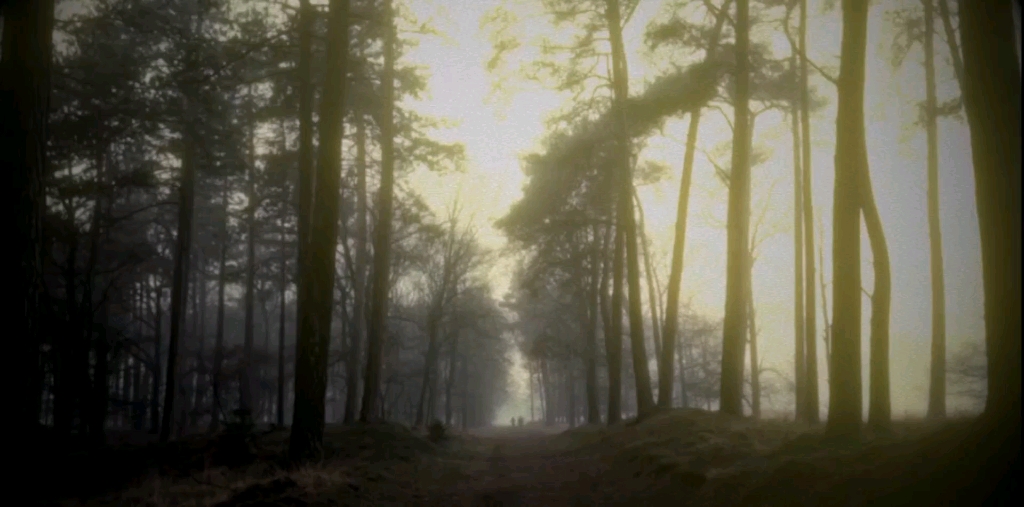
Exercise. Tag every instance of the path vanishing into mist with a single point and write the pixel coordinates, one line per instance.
(520, 466)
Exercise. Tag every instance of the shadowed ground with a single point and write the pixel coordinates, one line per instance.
(683, 457)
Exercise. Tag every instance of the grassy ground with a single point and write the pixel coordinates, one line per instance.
(682, 457)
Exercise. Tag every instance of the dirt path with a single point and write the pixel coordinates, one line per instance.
(509, 467)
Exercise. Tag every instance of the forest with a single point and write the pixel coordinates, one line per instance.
(260, 262)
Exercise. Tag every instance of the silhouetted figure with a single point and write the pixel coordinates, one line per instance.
(512, 422)
(520, 421)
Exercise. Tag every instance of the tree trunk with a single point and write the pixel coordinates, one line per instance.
(811, 329)
(531, 374)
(179, 281)
(675, 277)
(428, 363)
(824, 312)
(376, 327)
(283, 288)
(937, 379)
(649, 278)
(879, 405)
(845, 392)
(154, 401)
(734, 328)
(755, 373)
(304, 200)
(571, 388)
(799, 320)
(594, 320)
(549, 406)
(465, 395)
(991, 90)
(626, 221)
(683, 398)
(218, 345)
(200, 337)
(101, 383)
(86, 341)
(359, 309)
(449, 384)
(64, 358)
(246, 377)
(613, 341)
(24, 109)
(317, 278)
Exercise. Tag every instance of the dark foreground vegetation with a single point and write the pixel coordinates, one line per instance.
(681, 457)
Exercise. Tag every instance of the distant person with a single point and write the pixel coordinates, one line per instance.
(513, 422)
(520, 421)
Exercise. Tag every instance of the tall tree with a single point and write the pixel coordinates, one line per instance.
(246, 377)
(799, 321)
(179, 278)
(222, 278)
(991, 90)
(359, 280)
(937, 379)
(665, 369)
(613, 338)
(811, 328)
(317, 279)
(376, 327)
(845, 391)
(304, 199)
(626, 220)
(593, 324)
(879, 404)
(24, 108)
(737, 264)
(282, 292)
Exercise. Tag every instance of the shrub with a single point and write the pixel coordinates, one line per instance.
(437, 431)
(236, 445)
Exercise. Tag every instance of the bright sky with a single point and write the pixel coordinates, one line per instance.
(495, 136)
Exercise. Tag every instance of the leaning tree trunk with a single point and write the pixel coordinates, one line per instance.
(626, 221)
(376, 327)
(937, 379)
(811, 328)
(734, 328)
(675, 276)
(991, 89)
(845, 391)
(879, 405)
(24, 109)
(318, 277)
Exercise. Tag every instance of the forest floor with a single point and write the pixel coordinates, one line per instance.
(681, 457)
